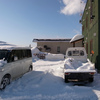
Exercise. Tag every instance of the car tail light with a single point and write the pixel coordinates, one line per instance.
(67, 73)
(92, 73)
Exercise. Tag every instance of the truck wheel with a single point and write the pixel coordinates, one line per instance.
(66, 80)
(5, 81)
(91, 79)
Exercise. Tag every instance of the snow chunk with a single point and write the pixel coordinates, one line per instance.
(74, 65)
(71, 63)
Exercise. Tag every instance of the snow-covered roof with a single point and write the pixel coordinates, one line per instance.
(77, 37)
(51, 40)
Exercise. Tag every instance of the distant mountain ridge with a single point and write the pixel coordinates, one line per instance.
(2, 43)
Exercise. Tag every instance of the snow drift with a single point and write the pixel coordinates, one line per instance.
(50, 56)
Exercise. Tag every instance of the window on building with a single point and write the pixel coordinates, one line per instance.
(92, 11)
(58, 49)
(91, 46)
(47, 48)
(87, 48)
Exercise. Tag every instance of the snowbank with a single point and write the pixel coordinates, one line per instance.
(46, 83)
(74, 65)
(50, 56)
(35, 50)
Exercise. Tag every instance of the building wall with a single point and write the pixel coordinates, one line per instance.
(90, 30)
(54, 45)
(98, 58)
(78, 43)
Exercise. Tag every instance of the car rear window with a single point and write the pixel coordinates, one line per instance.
(76, 53)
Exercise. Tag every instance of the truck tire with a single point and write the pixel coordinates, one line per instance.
(66, 80)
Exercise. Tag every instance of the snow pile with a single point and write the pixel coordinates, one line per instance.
(36, 54)
(73, 65)
(35, 51)
(2, 63)
(50, 56)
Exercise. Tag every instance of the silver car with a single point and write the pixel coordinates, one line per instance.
(14, 62)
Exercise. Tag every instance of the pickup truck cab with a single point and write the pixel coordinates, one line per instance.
(77, 67)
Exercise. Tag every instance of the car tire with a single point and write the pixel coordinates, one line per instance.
(91, 79)
(66, 80)
(5, 81)
(30, 68)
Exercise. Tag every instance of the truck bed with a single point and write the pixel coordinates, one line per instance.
(76, 70)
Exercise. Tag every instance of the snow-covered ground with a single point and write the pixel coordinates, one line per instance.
(46, 82)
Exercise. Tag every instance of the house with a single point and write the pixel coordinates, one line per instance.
(55, 46)
(91, 31)
(77, 40)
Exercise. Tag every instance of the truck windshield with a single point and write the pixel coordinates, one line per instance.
(4, 54)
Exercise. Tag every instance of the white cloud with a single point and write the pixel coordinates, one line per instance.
(73, 6)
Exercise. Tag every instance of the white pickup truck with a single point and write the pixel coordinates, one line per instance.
(77, 67)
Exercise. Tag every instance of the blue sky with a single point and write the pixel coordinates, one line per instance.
(23, 20)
